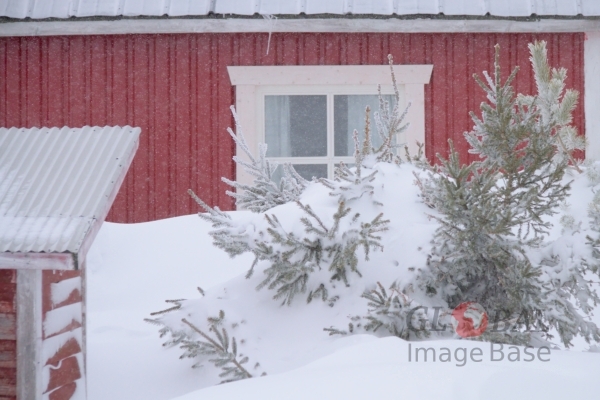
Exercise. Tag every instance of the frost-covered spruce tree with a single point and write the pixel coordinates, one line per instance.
(292, 257)
(494, 211)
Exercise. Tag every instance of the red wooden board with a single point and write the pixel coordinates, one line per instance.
(176, 88)
(8, 383)
(8, 344)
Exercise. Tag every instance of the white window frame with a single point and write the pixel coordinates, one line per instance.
(330, 159)
(252, 83)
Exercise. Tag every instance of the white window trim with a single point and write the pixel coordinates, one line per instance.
(591, 94)
(252, 83)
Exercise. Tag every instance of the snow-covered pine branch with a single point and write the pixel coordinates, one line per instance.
(213, 345)
(264, 193)
(227, 234)
(389, 122)
(556, 105)
(293, 259)
(349, 183)
(390, 313)
(258, 197)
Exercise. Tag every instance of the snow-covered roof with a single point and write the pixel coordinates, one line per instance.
(56, 188)
(38, 9)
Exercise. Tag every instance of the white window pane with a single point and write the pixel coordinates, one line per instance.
(349, 114)
(307, 171)
(296, 126)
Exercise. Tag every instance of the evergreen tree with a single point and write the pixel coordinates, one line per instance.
(293, 258)
(494, 211)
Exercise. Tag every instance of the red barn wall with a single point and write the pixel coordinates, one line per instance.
(8, 337)
(176, 88)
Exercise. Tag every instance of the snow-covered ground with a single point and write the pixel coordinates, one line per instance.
(369, 368)
(132, 269)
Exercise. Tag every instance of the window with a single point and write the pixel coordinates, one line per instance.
(307, 114)
(312, 127)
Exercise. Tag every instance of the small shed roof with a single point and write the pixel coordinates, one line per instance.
(56, 188)
(39, 9)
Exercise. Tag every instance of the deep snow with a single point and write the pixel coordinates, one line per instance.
(132, 269)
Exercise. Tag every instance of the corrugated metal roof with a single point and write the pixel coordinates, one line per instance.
(38, 9)
(57, 183)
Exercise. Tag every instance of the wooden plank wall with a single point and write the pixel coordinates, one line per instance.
(176, 88)
(8, 338)
(62, 343)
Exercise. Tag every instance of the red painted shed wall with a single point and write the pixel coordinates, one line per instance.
(8, 338)
(176, 88)
(65, 371)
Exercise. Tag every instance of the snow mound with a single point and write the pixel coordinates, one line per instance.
(132, 269)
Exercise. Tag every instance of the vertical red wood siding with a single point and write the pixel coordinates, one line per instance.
(176, 88)
(64, 369)
(8, 338)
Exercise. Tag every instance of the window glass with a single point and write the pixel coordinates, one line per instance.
(307, 171)
(349, 114)
(296, 126)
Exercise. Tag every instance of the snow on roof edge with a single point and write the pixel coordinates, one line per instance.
(57, 184)
(62, 9)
